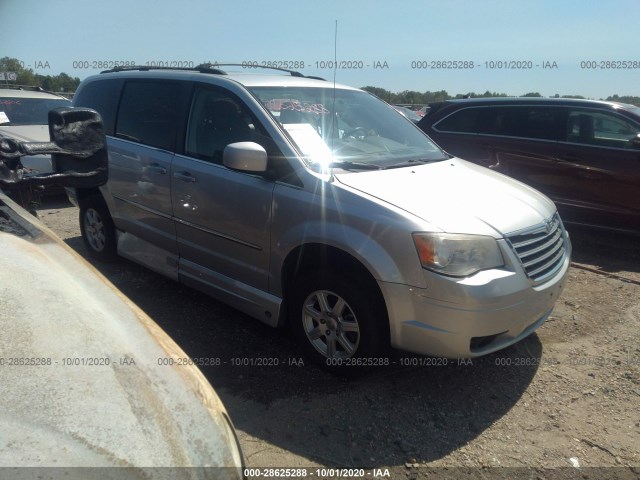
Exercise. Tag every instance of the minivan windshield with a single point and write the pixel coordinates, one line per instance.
(348, 129)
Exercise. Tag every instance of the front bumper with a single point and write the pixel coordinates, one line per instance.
(474, 316)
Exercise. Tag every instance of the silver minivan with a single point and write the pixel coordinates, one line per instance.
(303, 202)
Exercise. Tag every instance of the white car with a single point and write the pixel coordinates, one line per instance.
(23, 117)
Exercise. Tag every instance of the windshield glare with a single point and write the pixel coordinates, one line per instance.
(346, 126)
(28, 111)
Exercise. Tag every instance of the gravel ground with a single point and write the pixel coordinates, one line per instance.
(567, 396)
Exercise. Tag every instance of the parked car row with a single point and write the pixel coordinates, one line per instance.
(300, 202)
(316, 206)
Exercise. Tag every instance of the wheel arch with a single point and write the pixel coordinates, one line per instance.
(97, 231)
(83, 193)
(310, 256)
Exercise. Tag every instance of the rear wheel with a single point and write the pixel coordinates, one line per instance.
(339, 321)
(96, 226)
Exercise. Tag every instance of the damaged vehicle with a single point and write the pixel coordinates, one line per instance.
(87, 379)
(23, 118)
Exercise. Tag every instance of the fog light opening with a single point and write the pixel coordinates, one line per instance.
(478, 344)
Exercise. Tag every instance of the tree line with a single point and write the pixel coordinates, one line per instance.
(27, 77)
(409, 97)
(67, 84)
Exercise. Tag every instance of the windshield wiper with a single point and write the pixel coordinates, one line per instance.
(348, 165)
(407, 163)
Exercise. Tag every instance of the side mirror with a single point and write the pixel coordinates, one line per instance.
(245, 157)
(635, 141)
(78, 151)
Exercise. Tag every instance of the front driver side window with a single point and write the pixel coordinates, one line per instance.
(601, 129)
(216, 120)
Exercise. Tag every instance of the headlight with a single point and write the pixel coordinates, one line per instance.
(456, 254)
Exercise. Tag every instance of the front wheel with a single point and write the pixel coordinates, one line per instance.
(97, 229)
(339, 321)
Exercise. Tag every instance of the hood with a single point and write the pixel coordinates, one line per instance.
(26, 133)
(30, 133)
(456, 196)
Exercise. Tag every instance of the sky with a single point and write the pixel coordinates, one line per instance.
(508, 46)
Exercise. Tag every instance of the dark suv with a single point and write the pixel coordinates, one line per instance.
(584, 154)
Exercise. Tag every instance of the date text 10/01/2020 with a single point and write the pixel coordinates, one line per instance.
(304, 473)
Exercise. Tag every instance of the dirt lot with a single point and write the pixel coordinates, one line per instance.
(567, 396)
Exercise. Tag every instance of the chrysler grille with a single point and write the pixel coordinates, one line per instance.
(541, 249)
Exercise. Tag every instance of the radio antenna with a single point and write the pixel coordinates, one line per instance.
(335, 56)
(334, 119)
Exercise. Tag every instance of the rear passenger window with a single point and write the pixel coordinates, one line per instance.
(149, 113)
(545, 123)
(462, 121)
(102, 96)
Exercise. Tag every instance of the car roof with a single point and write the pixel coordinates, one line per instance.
(534, 100)
(281, 78)
(28, 93)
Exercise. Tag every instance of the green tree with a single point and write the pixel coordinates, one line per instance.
(480, 95)
(411, 97)
(625, 99)
(385, 95)
(26, 76)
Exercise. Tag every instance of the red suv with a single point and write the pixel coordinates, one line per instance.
(583, 154)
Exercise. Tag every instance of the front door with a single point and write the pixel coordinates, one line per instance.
(603, 169)
(223, 217)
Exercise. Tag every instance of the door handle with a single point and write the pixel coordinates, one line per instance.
(184, 176)
(157, 168)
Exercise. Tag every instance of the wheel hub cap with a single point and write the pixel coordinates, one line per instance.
(330, 324)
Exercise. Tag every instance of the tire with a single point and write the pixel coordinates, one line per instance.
(97, 229)
(339, 321)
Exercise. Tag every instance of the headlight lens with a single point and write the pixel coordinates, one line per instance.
(456, 254)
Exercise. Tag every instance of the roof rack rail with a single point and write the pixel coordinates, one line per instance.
(293, 73)
(200, 68)
(208, 68)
